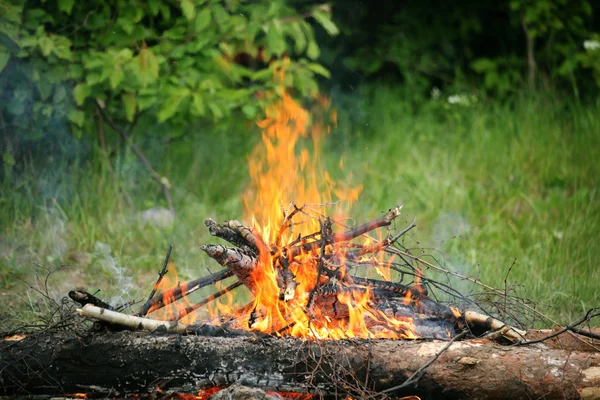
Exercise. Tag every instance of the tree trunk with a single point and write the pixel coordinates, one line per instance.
(121, 364)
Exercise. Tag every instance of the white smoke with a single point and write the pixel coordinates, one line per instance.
(124, 282)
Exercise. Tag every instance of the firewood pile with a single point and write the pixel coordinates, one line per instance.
(311, 287)
(342, 290)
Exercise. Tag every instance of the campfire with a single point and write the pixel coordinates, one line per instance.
(311, 275)
(325, 292)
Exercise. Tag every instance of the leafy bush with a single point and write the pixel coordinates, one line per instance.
(169, 63)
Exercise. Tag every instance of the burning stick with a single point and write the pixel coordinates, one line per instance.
(207, 300)
(230, 235)
(171, 295)
(385, 220)
(236, 260)
(161, 275)
(151, 325)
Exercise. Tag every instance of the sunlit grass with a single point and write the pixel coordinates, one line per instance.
(488, 184)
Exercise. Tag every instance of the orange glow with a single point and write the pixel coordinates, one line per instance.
(456, 312)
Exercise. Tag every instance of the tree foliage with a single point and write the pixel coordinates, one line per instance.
(169, 62)
(491, 44)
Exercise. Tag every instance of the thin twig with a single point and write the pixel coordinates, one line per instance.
(594, 312)
(214, 296)
(161, 275)
(171, 295)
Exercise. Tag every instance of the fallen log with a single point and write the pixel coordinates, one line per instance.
(122, 364)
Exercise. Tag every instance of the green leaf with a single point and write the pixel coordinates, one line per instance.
(77, 117)
(145, 102)
(203, 19)
(4, 57)
(188, 9)
(80, 93)
(324, 19)
(249, 111)
(171, 104)
(298, 36)
(154, 6)
(483, 64)
(60, 95)
(75, 71)
(66, 6)
(62, 48)
(275, 40)
(148, 66)
(46, 45)
(44, 88)
(262, 74)
(116, 77)
(126, 24)
(217, 112)
(313, 51)
(198, 104)
(318, 69)
(130, 105)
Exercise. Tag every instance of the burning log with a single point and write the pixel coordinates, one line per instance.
(122, 364)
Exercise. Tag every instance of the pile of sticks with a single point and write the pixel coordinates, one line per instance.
(335, 258)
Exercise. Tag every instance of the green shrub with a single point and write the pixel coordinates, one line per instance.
(158, 62)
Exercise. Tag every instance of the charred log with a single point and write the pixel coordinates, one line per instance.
(120, 364)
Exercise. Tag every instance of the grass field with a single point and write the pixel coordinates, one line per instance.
(489, 182)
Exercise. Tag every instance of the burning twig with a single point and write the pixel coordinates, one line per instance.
(230, 235)
(171, 295)
(133, 322)
(214, 296)
(161, 275)
(348, 235)
(236, 260)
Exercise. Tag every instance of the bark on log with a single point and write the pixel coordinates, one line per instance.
(118, 364)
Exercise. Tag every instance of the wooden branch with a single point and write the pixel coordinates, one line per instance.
(232, 236)
(489, 323)
(385, 220)
(124, 364)
(131, 321)
(237, 261)
(203, 302)
(162, 181)
(161, 275)
(350, 234)
(171, 295)
(83, 298)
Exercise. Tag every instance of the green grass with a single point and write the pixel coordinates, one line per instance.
(488, 183)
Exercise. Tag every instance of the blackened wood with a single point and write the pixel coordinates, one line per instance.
(82, 297)
(121, 364)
